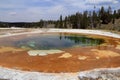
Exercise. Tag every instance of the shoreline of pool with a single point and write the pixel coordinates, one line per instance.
(78, 31)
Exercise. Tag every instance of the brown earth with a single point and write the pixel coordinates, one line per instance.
(72, 60)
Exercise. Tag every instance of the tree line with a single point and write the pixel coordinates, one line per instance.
(40, 24)
(85, 20)
(89, 19)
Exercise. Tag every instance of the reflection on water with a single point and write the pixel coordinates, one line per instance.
(55, 41)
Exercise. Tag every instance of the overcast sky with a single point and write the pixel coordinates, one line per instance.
(34, 10)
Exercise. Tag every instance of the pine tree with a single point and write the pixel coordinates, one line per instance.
(105, 16)
(73, 21)
(109, 13)
(61, 22)
(118, 13)
(41, 23)
(114, 17)
(101, 14)
(65, 22)
(57, 24)
(94, 19)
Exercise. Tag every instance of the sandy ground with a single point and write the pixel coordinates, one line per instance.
(72, 60)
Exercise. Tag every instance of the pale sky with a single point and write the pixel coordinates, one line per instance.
(34, 10)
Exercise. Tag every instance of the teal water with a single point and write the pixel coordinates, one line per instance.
(50, 41)
(58, 41)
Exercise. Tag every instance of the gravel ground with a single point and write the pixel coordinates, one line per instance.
(101, 74)
(97, 74)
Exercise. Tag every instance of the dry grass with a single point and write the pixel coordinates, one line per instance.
(111, 27)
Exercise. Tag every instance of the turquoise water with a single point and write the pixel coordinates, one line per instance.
(57, 41)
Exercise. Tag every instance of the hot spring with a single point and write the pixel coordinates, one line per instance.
(59, 52)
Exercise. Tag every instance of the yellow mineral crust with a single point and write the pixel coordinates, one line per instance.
(104, 53)
(9, 49)
(65, 55)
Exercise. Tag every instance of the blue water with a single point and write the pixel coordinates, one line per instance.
(57, 41)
